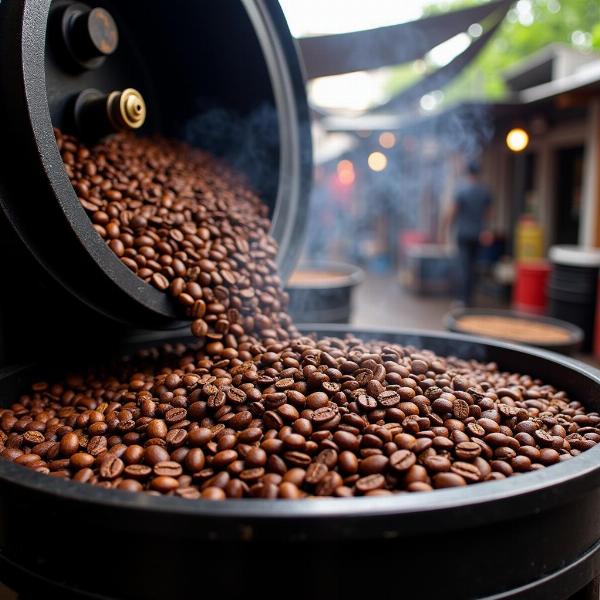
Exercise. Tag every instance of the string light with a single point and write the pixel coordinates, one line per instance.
(517, 139)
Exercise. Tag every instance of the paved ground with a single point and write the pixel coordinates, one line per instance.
(383, 302)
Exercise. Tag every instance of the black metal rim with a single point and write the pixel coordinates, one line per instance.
(287, 77)
(495, 501)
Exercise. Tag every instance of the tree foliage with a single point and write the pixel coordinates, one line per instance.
(529, 26)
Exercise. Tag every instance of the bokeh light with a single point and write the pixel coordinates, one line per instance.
(377, 161)
(345, 172)
(517, 139)
(387, 139)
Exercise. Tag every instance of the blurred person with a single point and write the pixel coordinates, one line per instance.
(468, 216)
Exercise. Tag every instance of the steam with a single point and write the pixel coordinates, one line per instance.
(347, 221)
(363, 223)
(414, 341)
(248, 143)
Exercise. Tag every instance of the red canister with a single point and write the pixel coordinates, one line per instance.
(529, 292)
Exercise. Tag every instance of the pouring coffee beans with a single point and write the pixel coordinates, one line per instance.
(253, 409)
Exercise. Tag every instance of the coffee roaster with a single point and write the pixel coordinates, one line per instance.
(225, 76)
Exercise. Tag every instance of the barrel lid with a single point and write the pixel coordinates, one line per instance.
(577, 256)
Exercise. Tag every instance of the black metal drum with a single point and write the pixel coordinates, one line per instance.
(532, 536)
(224, 76)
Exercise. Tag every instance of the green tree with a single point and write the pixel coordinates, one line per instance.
(529, 26)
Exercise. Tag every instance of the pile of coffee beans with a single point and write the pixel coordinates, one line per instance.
(335, 417)
(254, 410)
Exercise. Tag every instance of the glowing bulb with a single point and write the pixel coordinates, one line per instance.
(345, 172)
(377, 161)
(387, 139)
(517, 139)
(346, 177)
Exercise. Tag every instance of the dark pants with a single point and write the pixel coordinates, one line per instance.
(467, 257)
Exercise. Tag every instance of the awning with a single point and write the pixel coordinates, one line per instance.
(397, 44)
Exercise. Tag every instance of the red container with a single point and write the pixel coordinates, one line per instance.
(529, 292)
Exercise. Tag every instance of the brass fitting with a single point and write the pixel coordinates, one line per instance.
(97, 114)
(126, 109)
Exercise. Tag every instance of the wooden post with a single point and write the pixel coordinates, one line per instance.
(589, 231)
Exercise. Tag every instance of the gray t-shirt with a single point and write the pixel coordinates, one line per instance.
(472, 200)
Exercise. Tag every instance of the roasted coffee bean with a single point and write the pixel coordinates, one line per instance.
(348, 463)
(84, 475)
(174, 415)
(164, 484)
(437, 464)
(195, 460)
(324, 414)
(154, 454)
(111, 467)
(33, 437)
(548, 456)
(289, 491)
(199, 328)
(130, 485)
(468, 471)
(81, 460)
(317, 400)
(223, 458)
(137, 471)
(69, 444)
(168, 468)
(346, 440)
(157, 428)
(376, 463)
(446, 480)
(328, 457)
(460, 409)
(370, 483)
(402, 460)
(297, 459)
(467, 450)
(366, 402)
(199, 437)
(315, 472)
(388, 398)
(328, 485)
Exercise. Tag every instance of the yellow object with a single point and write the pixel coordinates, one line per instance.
(517, 139)
(377, 161)
(529, 240)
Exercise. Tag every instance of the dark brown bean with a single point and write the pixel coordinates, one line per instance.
(69, 444)
(168, 468)
(111, 467)
(402, 460)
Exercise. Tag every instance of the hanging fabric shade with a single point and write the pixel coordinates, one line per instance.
(393, 45)
(442, 76)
